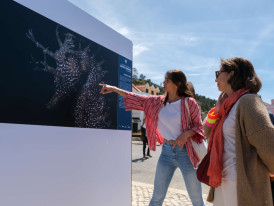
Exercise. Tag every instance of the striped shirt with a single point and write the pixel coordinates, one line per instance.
(151, 105)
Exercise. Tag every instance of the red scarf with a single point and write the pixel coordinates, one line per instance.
(216, 142)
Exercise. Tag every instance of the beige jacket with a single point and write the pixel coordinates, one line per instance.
(254, 153)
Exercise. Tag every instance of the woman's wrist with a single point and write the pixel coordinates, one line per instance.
(217, 109)
(185, 135)
(119, 91)
(115, 89)
(191, 133)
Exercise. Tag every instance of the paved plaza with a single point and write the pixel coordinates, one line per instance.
(141, 194)
(143, 172)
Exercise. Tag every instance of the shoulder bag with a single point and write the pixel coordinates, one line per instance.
(200, 148)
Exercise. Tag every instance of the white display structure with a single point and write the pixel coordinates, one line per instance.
(67, 166)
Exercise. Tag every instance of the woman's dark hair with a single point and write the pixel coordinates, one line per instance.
(244, 76)
(179, 79)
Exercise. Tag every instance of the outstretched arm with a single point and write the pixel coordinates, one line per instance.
(132, 101)
(106, 89)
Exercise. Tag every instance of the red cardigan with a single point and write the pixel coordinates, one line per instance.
(151, 105)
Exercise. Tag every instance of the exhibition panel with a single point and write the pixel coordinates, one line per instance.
(62, 143)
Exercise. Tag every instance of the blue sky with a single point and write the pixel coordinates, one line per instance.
(193, 36)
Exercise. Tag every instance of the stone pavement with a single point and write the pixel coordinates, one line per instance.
(141, 194)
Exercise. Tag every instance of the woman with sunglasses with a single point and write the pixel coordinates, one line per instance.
(167, 123)
(241, 139)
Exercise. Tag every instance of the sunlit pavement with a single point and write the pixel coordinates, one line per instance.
(143, 171)
(141, 195)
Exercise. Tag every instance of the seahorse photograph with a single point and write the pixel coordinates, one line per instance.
(50, 74)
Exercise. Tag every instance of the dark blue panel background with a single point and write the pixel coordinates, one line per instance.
(125, 83)
(24, 90)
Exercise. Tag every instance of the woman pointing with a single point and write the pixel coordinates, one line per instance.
(167, 123)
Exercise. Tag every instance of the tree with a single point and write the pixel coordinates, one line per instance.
(207, 103)
(134, 73)
(149, 82)
(142, 76)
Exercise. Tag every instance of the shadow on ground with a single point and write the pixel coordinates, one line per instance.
(140, 160)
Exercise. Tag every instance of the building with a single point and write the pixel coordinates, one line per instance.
(145, 88)
(270, 107)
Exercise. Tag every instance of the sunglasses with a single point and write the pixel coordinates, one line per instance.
(217, 73)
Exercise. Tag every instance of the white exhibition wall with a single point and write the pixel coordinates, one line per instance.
(67, 166)
(55, 166)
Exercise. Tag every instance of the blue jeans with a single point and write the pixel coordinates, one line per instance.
(168, 162)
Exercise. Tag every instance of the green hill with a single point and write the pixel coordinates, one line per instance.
(206, 103)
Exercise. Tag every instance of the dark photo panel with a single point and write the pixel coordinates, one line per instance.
(49, 75)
